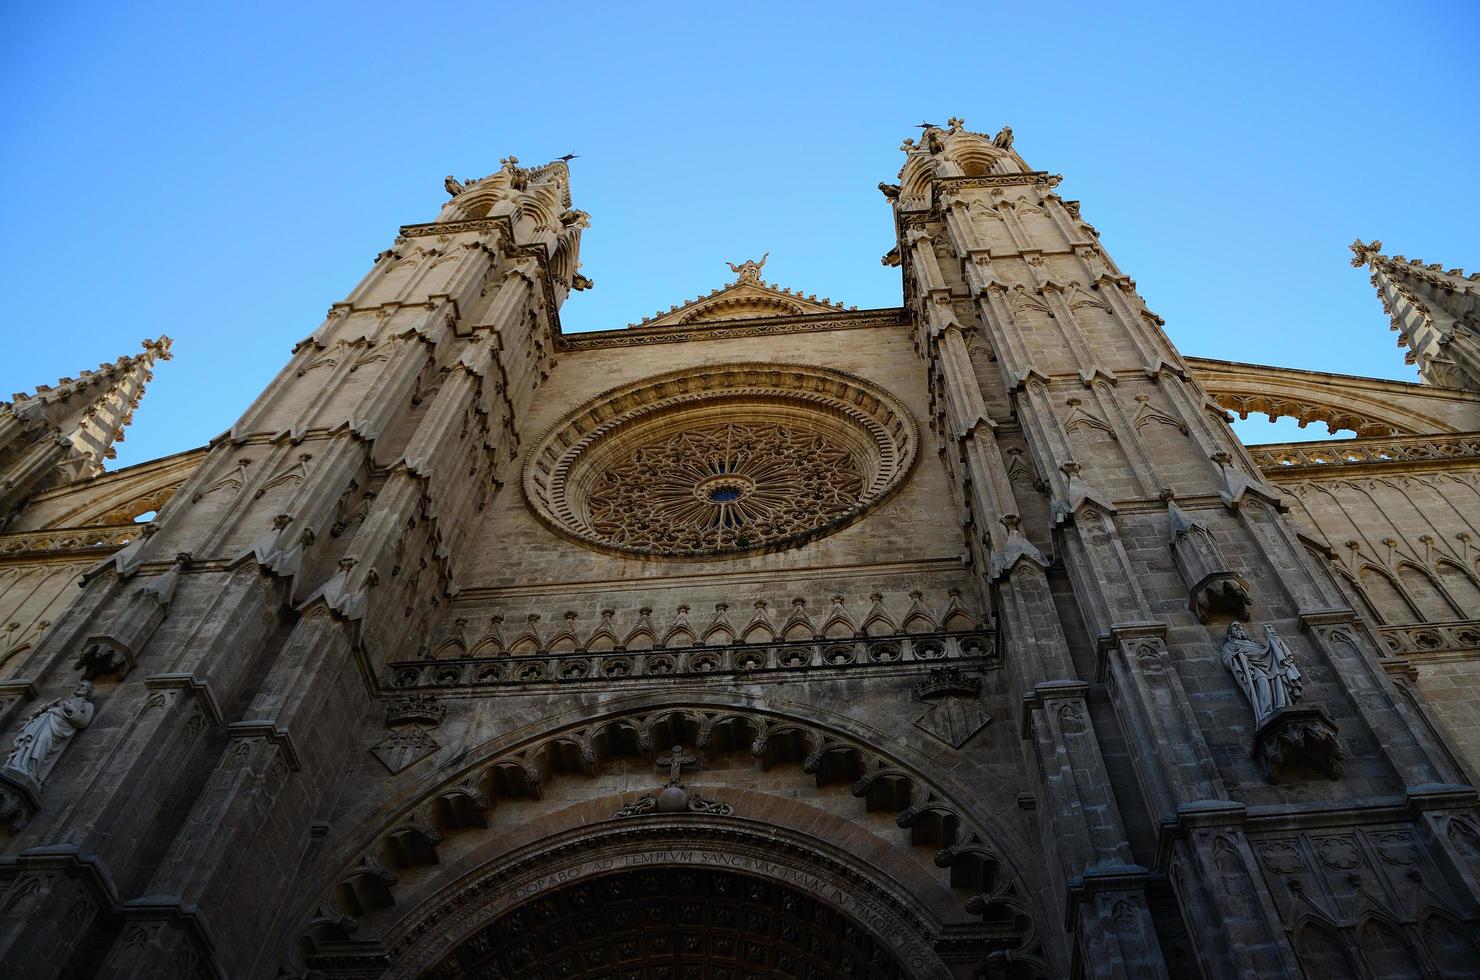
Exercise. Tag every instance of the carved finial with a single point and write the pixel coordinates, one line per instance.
(749, 270)
(955, 123)
(1362, 254)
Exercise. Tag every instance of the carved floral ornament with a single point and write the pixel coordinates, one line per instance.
(721, 461)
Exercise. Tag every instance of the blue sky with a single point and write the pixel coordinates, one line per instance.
(222, 173)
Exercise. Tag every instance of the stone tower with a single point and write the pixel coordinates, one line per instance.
(62, 433)
(763, 637)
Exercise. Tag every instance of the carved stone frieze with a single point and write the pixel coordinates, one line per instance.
(68, 540)
(759, 327)
(1433, 638)
(769, 659)
(1392, 453)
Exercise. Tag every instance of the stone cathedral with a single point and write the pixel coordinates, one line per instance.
(765, 637)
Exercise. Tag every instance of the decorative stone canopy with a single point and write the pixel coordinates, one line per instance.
(722, 461)
(748, 297)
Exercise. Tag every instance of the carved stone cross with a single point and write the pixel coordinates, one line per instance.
(675, 761)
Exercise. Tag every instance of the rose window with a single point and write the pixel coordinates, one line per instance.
(723, 487)
(721, 461)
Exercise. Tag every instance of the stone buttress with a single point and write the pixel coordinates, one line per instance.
(1072, 425)
(319, 522)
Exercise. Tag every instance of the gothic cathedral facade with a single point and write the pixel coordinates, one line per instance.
(762, 638)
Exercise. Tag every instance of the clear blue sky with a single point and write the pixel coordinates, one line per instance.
(223, 172)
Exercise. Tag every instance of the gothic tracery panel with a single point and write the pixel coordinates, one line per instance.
(731, 461)
(725, 486)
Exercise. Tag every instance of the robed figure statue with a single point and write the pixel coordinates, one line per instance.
(48, 731)
(1267, 673)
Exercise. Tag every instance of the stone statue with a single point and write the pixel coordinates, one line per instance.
(891, 191)
(453, 185)
(1267, 673)
(749, 270)
(1003, 140)
(47, 732)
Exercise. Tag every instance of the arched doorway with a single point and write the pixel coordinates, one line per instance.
(666, 923)
(870, 838)
(761, 900)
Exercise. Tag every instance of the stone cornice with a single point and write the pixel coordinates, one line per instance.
(759, 578)
(189, 683)
(1206, 366)
(733, 329)
(267, 729)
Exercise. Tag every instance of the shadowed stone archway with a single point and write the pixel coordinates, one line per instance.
(806, 907)
(665, 923)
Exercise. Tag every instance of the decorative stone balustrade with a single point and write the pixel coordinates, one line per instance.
(1284, 457)
(1461, 637)
(740, 658)
(69, 539)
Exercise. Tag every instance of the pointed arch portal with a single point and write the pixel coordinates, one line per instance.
(532, 860)
(699, 903)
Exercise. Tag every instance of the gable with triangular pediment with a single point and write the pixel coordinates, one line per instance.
(748, 297)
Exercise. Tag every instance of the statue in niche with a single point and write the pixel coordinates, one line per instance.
(1267, 673)
(47, 732)
(1290, 742)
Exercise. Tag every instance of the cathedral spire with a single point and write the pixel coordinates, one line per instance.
(1435, 311)
(63, 432)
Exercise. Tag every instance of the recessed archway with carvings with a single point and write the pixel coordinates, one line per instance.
(870, 841)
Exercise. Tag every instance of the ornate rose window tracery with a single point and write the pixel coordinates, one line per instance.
(721, 461)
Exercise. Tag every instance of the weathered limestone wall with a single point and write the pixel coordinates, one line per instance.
(1400, 519)
(62, 533)
(220, 640)
(353, 692)
(1136, 459)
